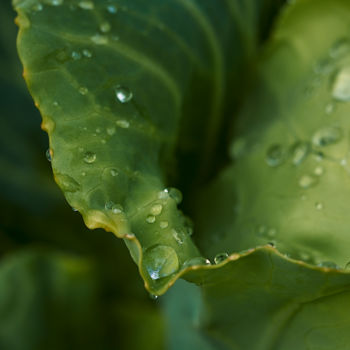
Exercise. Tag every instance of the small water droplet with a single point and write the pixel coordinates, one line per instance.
(103, 141)
(153, 296)
(329, 109)
(307, 181)
(89, 157)
(74, 209)
(105, 27)
(178, 236)
(86, 5)
(340, 49)
(123, 94)
(326, 136)
(163, 194)
(76, 55)
(111, 130)
(55, 103)
(271, 232)
(48, 155)
(114, 172)
(156, 209)
(318, 171)
(275, 155)
(163, 224)
(199, 260)
(329, 264)
(87, 53)
(150, 219)
(112, 9)
(83, 173)
(219, 258)
(272, 244)
(300, 151)
(117, 209)
(67, 183)
(261, 230)
(123, 124)
(318, 205)
(160, 261)
(99, 39)
(83, 90)
(175, 194)
(341, 85)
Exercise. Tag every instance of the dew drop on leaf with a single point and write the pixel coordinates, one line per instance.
(89, 157)
(67, 183)
(160, 261)
(219, 258)
(112, 9)
(123, 124)
(318, 171)
(341, 85)
(114, 172)
(318, 205)
(111, 130)
(86, 5)
(199, 260)
(275, 155)
(175, 194)
(307, 181)
(329, 264)
(83, 90)
(150, 219)
(76, 55)
(326, 136)
(48, 155)
(105, 27)
(123, 94)
(156, 209)
(99, 39)
(87, 53)
(163, 224)
(299, 151)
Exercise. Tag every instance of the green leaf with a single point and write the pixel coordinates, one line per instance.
(289, 181)
(122, 111)
(261, 301)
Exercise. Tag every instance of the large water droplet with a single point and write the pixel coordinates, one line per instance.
(67, 183)
(175, 194)
(86, 5)
(123, 94)
(160, 261)
(199, 260)
(219, 258)
(156, 209)
(326, 136)
(307, 181)
(341, 85)
(300, 151)
(275, 155)
(89, 157)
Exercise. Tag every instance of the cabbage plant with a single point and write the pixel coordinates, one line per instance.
(212, 138)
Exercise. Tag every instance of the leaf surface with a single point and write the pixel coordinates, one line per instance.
(125, 90)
